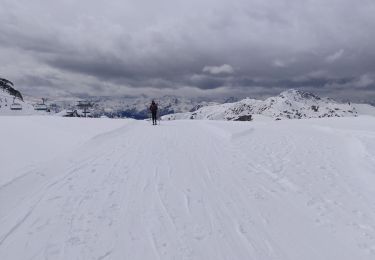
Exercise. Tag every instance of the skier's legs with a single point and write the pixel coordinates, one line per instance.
(153, 118)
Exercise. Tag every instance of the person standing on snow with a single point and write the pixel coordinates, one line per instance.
(154, 111)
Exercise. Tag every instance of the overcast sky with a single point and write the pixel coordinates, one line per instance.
(191, 48)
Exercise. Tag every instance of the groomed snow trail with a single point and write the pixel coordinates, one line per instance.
(286, 190)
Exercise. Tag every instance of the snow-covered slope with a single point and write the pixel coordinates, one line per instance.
(12, 102)
(6, 101)
(27, 141)
(286, 190)
(8, 87)
(364, 109)
(289, 104)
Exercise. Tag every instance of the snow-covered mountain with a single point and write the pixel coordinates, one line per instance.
(290, 104)
(8, 87)
(11, 100)
(14, 106)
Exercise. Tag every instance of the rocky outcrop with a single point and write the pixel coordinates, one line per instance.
(8, 87)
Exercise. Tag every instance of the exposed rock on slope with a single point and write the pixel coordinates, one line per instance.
(7, 86)
(11, 100)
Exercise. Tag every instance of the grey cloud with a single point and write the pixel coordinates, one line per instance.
(127, 47)
(335, 56)
(216, 70)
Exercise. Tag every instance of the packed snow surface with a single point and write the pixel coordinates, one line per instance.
(27, 141)
(285, 190)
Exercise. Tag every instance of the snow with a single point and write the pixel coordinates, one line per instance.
(365, 109)
(286, 190)
(27, 141)
(5, 103)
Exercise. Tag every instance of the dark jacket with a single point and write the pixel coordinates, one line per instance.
(153, 108)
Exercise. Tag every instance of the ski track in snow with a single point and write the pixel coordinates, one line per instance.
(200, 190)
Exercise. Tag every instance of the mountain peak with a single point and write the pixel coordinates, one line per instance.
(297, 94)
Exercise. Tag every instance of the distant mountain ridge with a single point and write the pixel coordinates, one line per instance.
(290, 104)
(137, 107)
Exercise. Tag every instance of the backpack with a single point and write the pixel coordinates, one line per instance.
(154, 108)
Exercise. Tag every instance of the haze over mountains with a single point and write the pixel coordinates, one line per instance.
(290, 104)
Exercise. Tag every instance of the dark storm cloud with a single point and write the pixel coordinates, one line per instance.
(211, 47)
